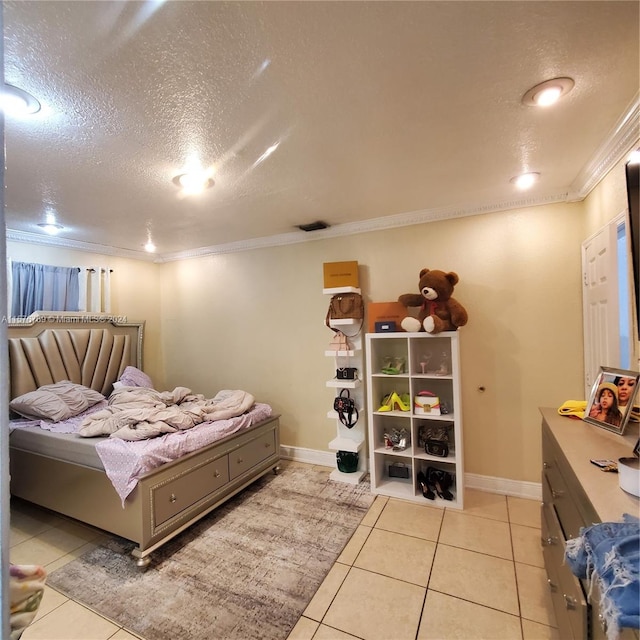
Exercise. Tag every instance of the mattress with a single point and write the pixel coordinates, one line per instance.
(61, 446)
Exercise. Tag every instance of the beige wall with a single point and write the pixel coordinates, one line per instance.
(134, 290)
(255, 320)
(607, 200)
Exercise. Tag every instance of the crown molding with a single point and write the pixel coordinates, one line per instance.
(364, 226)
(348, 229)
(65, 243)
(295, 237)
(622, 138)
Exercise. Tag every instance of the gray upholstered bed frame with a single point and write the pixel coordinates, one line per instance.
(94, 350)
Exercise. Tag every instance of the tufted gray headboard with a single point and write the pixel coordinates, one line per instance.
(88, 349)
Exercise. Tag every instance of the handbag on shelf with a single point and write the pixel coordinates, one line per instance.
(347, 461)
(345, 306)
(427, 402)
(346, 373)
(436, 440)
(339, 342)
(398, 470)
(345, 406)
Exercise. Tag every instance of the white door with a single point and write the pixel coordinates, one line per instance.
(600, 303)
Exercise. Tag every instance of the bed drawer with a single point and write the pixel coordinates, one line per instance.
(251, 454)
(177, 494)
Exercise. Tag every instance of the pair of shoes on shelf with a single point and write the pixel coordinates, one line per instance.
(393, 366)
(440, 481)
(393, 402)
(427, 491)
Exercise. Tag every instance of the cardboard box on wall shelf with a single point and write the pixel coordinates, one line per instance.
(341, 274)
(385, 312)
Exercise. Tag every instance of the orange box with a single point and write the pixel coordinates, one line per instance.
(385, 312)
(341, 274)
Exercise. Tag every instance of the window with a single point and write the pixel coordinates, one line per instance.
(41, 287)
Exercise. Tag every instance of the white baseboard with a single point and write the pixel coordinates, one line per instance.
(502, 486)
(311, 456)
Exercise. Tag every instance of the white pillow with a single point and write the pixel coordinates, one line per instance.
(57, 402)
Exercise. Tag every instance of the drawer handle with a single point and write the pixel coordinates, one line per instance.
(557, 494)
(240, 460)
(551, 540)
(552, 587)
(267, 445)
(172, 497)
(569, 602)
(546, 465)
(217, 474)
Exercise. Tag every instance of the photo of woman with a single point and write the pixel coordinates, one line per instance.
(626, 387)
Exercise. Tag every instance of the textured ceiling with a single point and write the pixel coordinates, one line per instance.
(380, 109)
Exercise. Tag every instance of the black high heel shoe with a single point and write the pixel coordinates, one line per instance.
(427, 492)
(441, 481)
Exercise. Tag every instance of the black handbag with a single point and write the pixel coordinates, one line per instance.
(345, 406)
(346, 373)
(436, 441)
(398, 470)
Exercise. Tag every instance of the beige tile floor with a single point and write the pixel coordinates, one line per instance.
(415, 572)
(409, 571)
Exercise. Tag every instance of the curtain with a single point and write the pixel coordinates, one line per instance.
(95, 290)
(41, 287)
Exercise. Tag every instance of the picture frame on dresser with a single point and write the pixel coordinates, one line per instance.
(612, 398)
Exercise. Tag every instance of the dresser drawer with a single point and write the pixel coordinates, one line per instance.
(573, 601)
(251, 454)
(557, 490)
(551, 537)
(172, 497)
(569, 603)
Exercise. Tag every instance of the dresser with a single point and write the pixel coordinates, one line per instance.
(575, 494)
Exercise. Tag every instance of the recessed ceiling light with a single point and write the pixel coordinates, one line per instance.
(15, 101)
(548, 92)
(150, 247)
(525, 180)
(51, 227)
(194, 182)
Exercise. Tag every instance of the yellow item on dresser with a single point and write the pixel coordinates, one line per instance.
(573, 408)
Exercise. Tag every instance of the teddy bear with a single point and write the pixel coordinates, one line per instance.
(438, 310)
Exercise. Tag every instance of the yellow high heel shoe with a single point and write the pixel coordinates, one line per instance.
(396, 400)
(387, 402)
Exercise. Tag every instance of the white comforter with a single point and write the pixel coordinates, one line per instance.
(138, 413)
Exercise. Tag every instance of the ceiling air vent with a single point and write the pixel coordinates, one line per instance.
(313, 226)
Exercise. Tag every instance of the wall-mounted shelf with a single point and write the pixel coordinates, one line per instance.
(354, 439)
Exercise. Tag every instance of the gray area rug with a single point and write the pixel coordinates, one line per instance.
(247, 570)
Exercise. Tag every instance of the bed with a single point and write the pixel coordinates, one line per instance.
(66, 473)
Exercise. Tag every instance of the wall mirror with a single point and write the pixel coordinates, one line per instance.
(612, 399)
